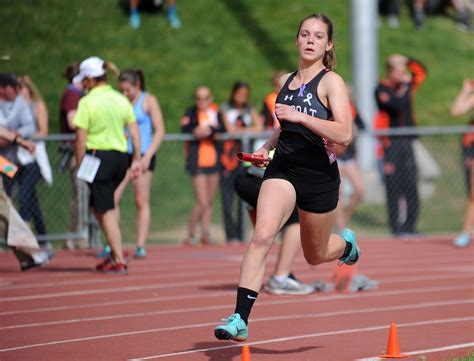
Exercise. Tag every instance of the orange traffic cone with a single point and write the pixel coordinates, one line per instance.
(246, 353)
(393, 348)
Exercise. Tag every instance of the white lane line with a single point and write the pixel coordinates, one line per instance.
(210, 269)
(174, 285)
(192, 326)
(302, 270)
(319, 334)
(285, 300)
(111, 290)
(117, 303)
(227, 306)
(430, 350)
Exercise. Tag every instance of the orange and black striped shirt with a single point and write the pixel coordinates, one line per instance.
(202, 153)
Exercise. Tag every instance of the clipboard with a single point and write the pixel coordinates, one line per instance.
(88, 168)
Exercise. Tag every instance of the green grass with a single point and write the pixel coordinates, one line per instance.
(220, 42)
(467, 358)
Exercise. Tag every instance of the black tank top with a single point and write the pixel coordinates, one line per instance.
(295, 136)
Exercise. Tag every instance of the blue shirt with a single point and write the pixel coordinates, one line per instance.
(145, 125)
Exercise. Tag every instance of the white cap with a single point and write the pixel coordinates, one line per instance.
(92, 67)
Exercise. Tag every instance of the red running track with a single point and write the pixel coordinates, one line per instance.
(167, 306)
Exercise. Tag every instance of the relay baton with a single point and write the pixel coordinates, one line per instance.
(248, 157)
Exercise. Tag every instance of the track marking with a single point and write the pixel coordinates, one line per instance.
(431, 350)
(287, 300)
(211, 268)
(109, 290)
(191, 326)
(302, 270)
(213, 308)
(319, 334)
(170, 285)
(116, 303)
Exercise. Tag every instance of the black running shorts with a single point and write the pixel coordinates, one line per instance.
(151, 167)
(317, 187)
(112, 170)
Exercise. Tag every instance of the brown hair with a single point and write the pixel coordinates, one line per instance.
(238, 85)
(134, 76)
(26, 81)
(108, 65)
(329, 59)
(71, 71)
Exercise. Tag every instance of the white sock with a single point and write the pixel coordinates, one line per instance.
(281, 278)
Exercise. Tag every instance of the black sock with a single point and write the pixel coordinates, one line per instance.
(347, 250)
(245, 301)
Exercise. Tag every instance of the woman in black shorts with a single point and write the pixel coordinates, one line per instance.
(100, 120)
(314, 112)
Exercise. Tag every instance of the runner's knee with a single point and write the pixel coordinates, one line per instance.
(262, 239)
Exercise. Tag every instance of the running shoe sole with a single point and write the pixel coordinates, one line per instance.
(222, 334)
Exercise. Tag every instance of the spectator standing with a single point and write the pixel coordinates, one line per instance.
(268, 107)
(26, 248)
(67, 109)
(463, 9)
(39, 166)
(390, 8)
(152, 130)
(171, 12)
(204, 121)
(18, 117)
(239, 118)
(395, 100)
(463, 104)
(350, 171)
(100, 120)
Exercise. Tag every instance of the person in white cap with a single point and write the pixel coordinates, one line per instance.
(101, 145)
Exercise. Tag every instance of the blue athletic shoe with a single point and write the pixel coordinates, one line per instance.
(349, 236)
(140, 252)
(134, 20)
(105, 252)
(233, 329)
(463, 240)
(174, 19)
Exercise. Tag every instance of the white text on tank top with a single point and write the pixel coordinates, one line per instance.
(307, 103)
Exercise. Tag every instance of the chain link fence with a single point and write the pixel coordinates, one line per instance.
(425, 192)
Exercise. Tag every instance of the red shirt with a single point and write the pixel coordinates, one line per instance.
(69, 101)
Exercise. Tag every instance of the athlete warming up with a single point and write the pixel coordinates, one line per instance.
(314, 112)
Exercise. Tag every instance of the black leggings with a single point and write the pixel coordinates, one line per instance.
(401, 176)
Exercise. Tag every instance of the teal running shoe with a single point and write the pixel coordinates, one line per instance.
(349, 236)
(463, 240)
(173, 19)
(105, 252)
(140, 252)
(233, 329)
(134, 20)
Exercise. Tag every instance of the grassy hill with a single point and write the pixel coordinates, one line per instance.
(221, 41)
